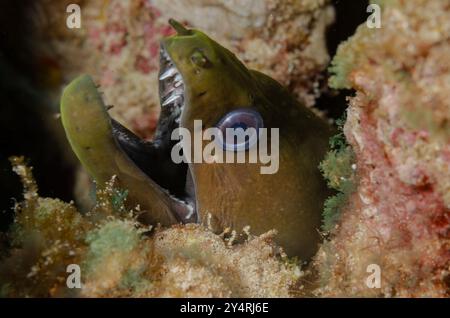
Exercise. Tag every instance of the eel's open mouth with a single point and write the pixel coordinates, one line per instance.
(154, 157)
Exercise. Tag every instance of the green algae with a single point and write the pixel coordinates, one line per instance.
(338, 170)
(115, 236)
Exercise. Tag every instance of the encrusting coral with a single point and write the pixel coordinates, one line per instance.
(119, 257)
(119, 43)
(398, 126)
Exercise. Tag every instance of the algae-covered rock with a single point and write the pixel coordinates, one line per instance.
(119, 257)
(398, 127)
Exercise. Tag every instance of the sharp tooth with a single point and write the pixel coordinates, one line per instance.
(172, 98)
(173, 90)
(169, 91)
(178, 78)
(164, 54)
(179, 91)
(169, 73)
(177, 84)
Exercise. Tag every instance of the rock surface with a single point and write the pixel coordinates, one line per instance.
(398, 125)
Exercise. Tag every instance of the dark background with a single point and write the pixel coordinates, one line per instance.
(26, 126)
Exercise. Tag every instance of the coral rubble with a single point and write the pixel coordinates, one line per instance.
(398, 125)
(119, 257)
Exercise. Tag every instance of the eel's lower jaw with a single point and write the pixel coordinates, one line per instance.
(172, 181)
(154, 158)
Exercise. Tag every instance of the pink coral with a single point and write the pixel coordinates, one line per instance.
(398, 217)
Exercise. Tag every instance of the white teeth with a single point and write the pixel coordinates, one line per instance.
(172, 85)
(169, 91)
(174, 89)
(169, 73)
(179, 91)
(172, 98)
(164, 54)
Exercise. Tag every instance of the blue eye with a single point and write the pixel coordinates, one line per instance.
(240, 129)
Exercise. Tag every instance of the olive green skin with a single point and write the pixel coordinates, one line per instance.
(235, 195)
(89, 131)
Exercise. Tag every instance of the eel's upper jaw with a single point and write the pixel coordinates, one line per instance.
(171, 87)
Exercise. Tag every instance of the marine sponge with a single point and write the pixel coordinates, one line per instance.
(398, 127)
(119, 257)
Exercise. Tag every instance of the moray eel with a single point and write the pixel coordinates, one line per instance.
(201, 80)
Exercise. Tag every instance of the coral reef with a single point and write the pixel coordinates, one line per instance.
(389, 166)
(119, 257)
(399, 129)
(119, 44)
